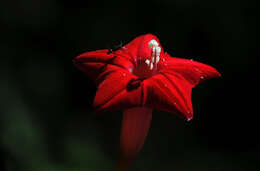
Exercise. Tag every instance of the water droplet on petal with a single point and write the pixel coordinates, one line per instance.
(196, 69)
(189, 119)
(202, 77)
(191, 59)
(147, 61)
(124, 74)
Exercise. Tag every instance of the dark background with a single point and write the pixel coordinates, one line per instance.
(46, 122)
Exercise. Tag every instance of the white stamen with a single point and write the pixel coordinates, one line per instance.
(155, 56)
(151, 66)
(153, 43)
(157, 59)
(158, 51)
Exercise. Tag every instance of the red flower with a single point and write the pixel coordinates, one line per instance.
(137, 78)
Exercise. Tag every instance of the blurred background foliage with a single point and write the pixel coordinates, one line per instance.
(46, 121)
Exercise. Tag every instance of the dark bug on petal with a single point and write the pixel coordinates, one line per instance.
(114, 48)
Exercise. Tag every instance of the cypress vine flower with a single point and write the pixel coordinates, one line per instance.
(138, 78)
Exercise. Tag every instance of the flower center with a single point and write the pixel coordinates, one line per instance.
(147, 66)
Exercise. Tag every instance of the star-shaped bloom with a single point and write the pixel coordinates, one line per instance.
(138, 78)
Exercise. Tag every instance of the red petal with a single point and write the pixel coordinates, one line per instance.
(170, 93)
(194, 72)
(118, 89)
(172, 86)
(95, 63)
(135, 126)
(111, 74)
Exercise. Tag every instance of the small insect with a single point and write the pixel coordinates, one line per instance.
(115, 48)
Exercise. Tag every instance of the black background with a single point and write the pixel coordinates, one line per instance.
(46, 122)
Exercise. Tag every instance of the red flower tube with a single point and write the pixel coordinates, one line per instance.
(138, 78)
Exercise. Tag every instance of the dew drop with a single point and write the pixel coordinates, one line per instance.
(202, 77)
(163, 59)
(147, 61)
(196, 69)
(189, 119)
(124, 74)
(191, 59)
